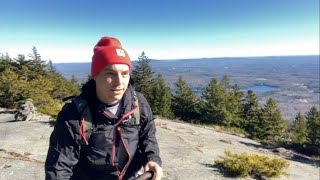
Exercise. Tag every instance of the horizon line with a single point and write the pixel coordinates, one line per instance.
(202, 58)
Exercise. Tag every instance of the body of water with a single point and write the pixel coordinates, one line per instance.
(262, 88)
(255, 88)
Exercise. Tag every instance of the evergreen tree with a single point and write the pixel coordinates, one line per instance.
(40, 91)
(234, 100)
(36, 63)
(62, 87)
(185, 102)
(313, 124)
(35, 55)
(74, 85)
(21, 60)
(50, 67)
(251, 114)
(5, 62)
(12, 89)
(232, 97)
(142, 75)
(21, 79)
(272, 124)
(225, 83)
(299, 130)
(161, 98)
(22, 67)
(213, 104)
(221, 103)
(24, 73)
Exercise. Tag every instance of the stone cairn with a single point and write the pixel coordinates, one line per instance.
(28, 111)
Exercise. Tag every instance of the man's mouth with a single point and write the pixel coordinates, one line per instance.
(117, 90)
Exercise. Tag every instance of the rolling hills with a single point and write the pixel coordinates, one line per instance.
(295, 78)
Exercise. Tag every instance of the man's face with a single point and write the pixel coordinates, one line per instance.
(112, 82)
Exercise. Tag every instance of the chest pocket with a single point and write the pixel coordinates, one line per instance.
(129, 136)
(99, 150)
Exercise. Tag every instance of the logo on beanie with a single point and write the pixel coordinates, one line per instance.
(121, 52)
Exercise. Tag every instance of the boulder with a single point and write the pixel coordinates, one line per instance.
(28, 111)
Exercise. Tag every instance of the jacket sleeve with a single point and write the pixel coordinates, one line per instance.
(148, 143)
(65, 144)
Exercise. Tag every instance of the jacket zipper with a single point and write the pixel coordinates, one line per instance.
(114, 140)
(125, 147)
(82, 130)
(128, 114)
(108, 115)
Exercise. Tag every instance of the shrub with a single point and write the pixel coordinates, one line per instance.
(243, 164)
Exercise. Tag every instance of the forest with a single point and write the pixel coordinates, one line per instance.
(295, 78)
(220, 104)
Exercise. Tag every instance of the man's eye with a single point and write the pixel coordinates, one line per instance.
(125, 74)
(109, 73)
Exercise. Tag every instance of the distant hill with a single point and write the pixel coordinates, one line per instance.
(296, 78)
(243, 71)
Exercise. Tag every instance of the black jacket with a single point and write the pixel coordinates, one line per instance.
(115, 150)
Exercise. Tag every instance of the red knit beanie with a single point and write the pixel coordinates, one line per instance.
(108, 51)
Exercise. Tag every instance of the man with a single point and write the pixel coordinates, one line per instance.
(120, 141)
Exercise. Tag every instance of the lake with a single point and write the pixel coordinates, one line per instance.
(255, 88)
(262, 88)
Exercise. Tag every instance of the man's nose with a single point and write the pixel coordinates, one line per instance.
(118, 79)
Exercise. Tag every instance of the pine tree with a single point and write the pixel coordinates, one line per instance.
(221, 103)
(160, 100)
(185, 102)
(40, 90)
(35, 55)
(213, 104)
(62, 87)
(225, 82)
(142, 75)
(21, 79)
(234, 100)
(74, 87)
(5, 62)
(21, 60)
(12, 88)
(299, 130)
(22, 67)
(50, 67)
(36, 64)
(251, 114)
(272, 124)
(313, 124)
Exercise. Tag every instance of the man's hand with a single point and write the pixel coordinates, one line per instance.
(152, 166)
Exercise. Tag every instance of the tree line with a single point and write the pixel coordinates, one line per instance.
(31, 77)
(226, 105)
(220, 104)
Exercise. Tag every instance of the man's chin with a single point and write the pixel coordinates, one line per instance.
(117, 96)
(114, 99)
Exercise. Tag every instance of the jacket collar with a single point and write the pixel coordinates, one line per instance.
(88, 92)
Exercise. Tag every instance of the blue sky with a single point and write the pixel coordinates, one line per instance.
(66, 31)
